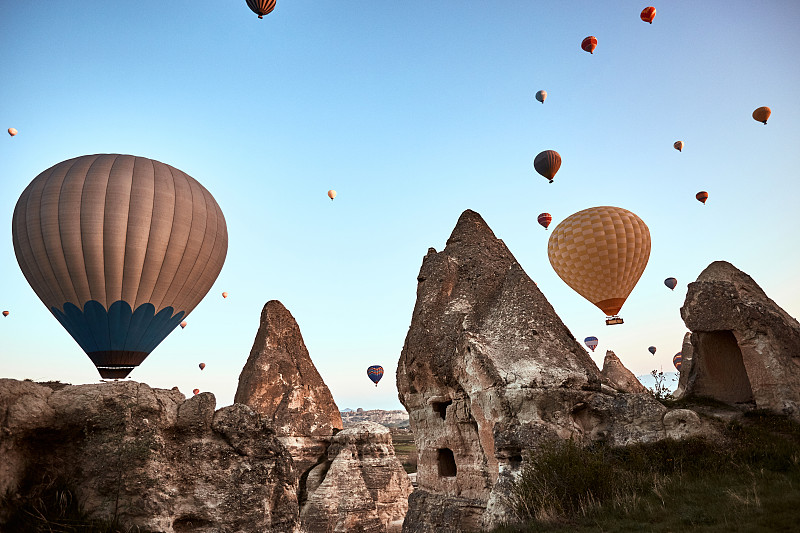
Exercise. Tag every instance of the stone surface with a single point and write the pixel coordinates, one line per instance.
(746, 349)
(488, 370)
(687, 357)
(177, 464)
(362, 487)
(616, 376)
(280, 382)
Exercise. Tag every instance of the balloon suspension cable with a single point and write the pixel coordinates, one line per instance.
(612, 320)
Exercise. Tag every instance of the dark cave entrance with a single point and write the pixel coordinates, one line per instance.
(441, 408)
(720, 371)
(446, 462)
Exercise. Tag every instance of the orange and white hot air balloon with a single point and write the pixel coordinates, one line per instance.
(601, 253)
(648, 14)
(762, 114)
(224, 294)
(12, 131)
(678, 146)
(589, 44)
(331, 194)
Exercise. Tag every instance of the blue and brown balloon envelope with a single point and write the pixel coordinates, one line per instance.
(375, 373)
(591, 342)
(120, 249)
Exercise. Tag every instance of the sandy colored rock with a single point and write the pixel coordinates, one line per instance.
(487, 371)
(362, 487)
(280, 382)
(616, 376)
(177, 464)
(746, 349)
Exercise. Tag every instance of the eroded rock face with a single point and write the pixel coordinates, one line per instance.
(616, 376)
(362, 487)
(746, 349)
(177, 464)
(488, 370)
(280, 382)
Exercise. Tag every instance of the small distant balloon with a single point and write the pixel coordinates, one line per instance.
(547, 164)
(375, 373)
(648, 14)
(331, 194)
(762, 114)
(196, 391)
(671, 283)
(702, 196)
(183, 324)
(541, 95)
(677, 360)
(589, 44)
(12, 131)
(6, 313)
(652, 350)
(202, 366)
(224, 294)
(545, 219)
(678, 146)
(591, 342)
(261, 7)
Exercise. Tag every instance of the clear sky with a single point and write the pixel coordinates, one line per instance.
(413, 111)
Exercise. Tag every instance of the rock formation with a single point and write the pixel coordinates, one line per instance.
(360, 488)
(488, 370)
(616, 376)
(156, 460)
(280, 382)
(687, 356)
(746, 349)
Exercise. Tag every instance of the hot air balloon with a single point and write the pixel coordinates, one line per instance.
(375, 373)
(652, 350)
(12, 131)
(677, 360)
(762, 114)
(261, 7)
(591, 342)
(202, 366)
(671, 283)
(541, 95)
(196, 391)
(120, 249)
(224, 294)
(331, 194)
(648, 14)
(183, 324)
(589, 44)
(547, 164)
(601, 253)
(544, 219)
(6, 313)
(678, 146)
(702, 196)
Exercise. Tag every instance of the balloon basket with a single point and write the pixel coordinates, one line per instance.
(612, 320)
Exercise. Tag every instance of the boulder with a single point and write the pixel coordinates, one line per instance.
(362, 487)
(745, 348)
(487, 371)
(152, 458)
(616, 376)
(280, 382)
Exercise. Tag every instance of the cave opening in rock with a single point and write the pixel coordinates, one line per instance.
(441, 408)
(446, 463)
(720, 369)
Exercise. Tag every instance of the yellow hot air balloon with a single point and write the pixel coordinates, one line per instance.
(331, 194)
(601, 253)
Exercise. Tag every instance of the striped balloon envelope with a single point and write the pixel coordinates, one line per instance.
(591, 342)
(375, 373)
(677, 360)
(544, 219)
(261, 7)
(120, 249)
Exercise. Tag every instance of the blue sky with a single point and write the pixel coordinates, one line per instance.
(413, 112)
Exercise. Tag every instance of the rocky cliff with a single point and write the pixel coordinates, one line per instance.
(149, 457)
(488, 370)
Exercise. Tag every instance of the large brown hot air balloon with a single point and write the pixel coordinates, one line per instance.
(589, 44)
(547, 164)
(261, 7)
(601, 253)
(762, 114)
(678, 146)
(120, 249)
(648, 14)
(702, 196)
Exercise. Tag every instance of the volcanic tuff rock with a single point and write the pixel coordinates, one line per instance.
(616, 376)
(746, 349)
(176, 463)
(487, 371)
(279, 381)
(687, 357)
(362, 487)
